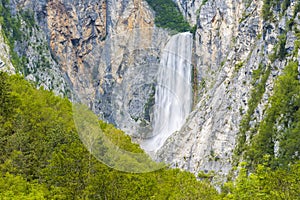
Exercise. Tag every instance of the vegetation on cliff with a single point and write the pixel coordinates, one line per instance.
(278, 133)
(270, 147)
(168, 15)
(11, 26)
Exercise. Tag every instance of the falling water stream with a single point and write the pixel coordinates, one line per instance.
(173, 93)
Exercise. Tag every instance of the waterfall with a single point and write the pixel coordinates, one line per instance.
(173, 93)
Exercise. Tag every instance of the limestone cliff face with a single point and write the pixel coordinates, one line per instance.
(40, 65)
(102, 47)
(232, 40)
(75, 29)
(97, 52)
(207, 140)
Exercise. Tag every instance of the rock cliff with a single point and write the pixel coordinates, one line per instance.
(95, 52)
(232, 42)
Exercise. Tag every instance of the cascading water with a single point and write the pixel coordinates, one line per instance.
(173, 94)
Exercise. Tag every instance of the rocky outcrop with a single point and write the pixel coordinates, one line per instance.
(207, 140)
(98, 48)
(102, 48)
(33, 49)
(5, 63)
(232, 40)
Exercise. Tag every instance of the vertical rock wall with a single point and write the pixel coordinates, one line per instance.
(232, 40)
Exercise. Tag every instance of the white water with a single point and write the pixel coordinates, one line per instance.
(173, 94)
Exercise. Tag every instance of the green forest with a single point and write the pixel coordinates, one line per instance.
(42, 157)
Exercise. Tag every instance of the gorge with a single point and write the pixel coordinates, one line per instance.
(238, 68)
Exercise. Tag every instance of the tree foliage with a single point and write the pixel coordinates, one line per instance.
(264, 183)
(278, 133)
(41, 155)
(168, 15)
